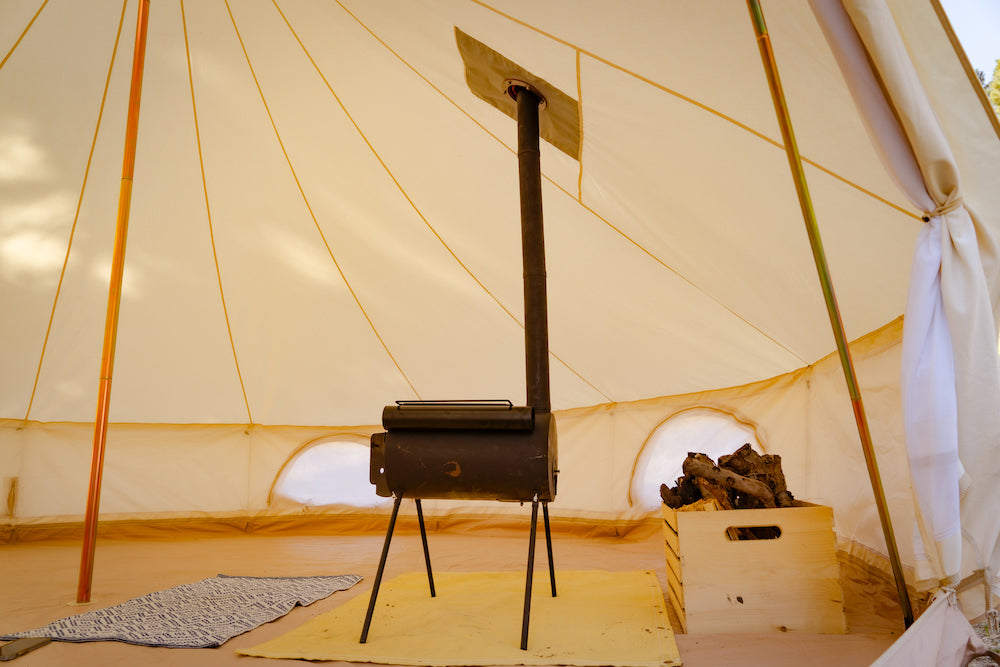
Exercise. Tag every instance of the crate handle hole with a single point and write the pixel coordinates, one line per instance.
(740, 533)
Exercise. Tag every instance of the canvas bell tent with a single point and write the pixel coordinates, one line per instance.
(324, 219)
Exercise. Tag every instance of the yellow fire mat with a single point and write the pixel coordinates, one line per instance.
(598, 618)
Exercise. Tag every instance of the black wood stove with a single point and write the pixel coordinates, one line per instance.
(483, 450)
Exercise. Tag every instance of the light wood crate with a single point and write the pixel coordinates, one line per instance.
(787, 584)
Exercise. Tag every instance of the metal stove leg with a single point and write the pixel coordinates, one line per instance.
(381, 568)
(548, 546)
(531, 568)
(427, 553)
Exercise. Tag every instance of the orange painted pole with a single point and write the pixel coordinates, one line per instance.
(836, 323)
(114, 300)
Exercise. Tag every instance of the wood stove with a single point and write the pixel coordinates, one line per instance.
(483, 449)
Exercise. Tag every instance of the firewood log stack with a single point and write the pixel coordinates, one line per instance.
(741, 480)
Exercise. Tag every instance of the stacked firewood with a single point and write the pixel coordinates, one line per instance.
(741, 480)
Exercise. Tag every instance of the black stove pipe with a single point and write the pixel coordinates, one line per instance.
(536, 336)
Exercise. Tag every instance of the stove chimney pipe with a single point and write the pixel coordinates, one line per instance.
(536, 337)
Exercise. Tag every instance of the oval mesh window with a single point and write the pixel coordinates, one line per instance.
(330, 472)
(711, 432)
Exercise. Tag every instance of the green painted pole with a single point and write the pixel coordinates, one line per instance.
(836, 323)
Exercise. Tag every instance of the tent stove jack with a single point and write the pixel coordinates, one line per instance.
(483, 450)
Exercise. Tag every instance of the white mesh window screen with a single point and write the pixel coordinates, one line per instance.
(329, 472)
(708, 431)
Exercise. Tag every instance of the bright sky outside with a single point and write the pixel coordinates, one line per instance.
(977, 24)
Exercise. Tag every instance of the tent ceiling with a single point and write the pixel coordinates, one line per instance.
(329, 221)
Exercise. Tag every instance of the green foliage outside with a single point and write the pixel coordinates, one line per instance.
(993, 89)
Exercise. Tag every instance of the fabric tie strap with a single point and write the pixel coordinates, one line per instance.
(942, 209)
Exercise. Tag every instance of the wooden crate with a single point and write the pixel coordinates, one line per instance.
(787, 584)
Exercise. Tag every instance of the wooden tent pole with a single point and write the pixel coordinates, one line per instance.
(836, 323)
(114, 300)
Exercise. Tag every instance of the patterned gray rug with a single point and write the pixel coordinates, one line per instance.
(199, 615)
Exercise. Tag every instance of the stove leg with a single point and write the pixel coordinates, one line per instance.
(381, 568)
(427, 553)
(531, 568)
(548, 546)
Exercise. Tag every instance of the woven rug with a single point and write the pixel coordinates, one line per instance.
(199, 615)
(598, 618)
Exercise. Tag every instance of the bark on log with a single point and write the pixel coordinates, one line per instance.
(711, 491)
(767, 469)
(742, 480)
(700, 466)
(685, 493)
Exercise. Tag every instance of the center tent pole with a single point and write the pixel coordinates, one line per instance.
(836, 323)
(114, 301)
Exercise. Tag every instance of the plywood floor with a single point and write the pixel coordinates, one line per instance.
(39, 581)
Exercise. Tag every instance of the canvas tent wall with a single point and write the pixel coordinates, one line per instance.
(324, 221)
